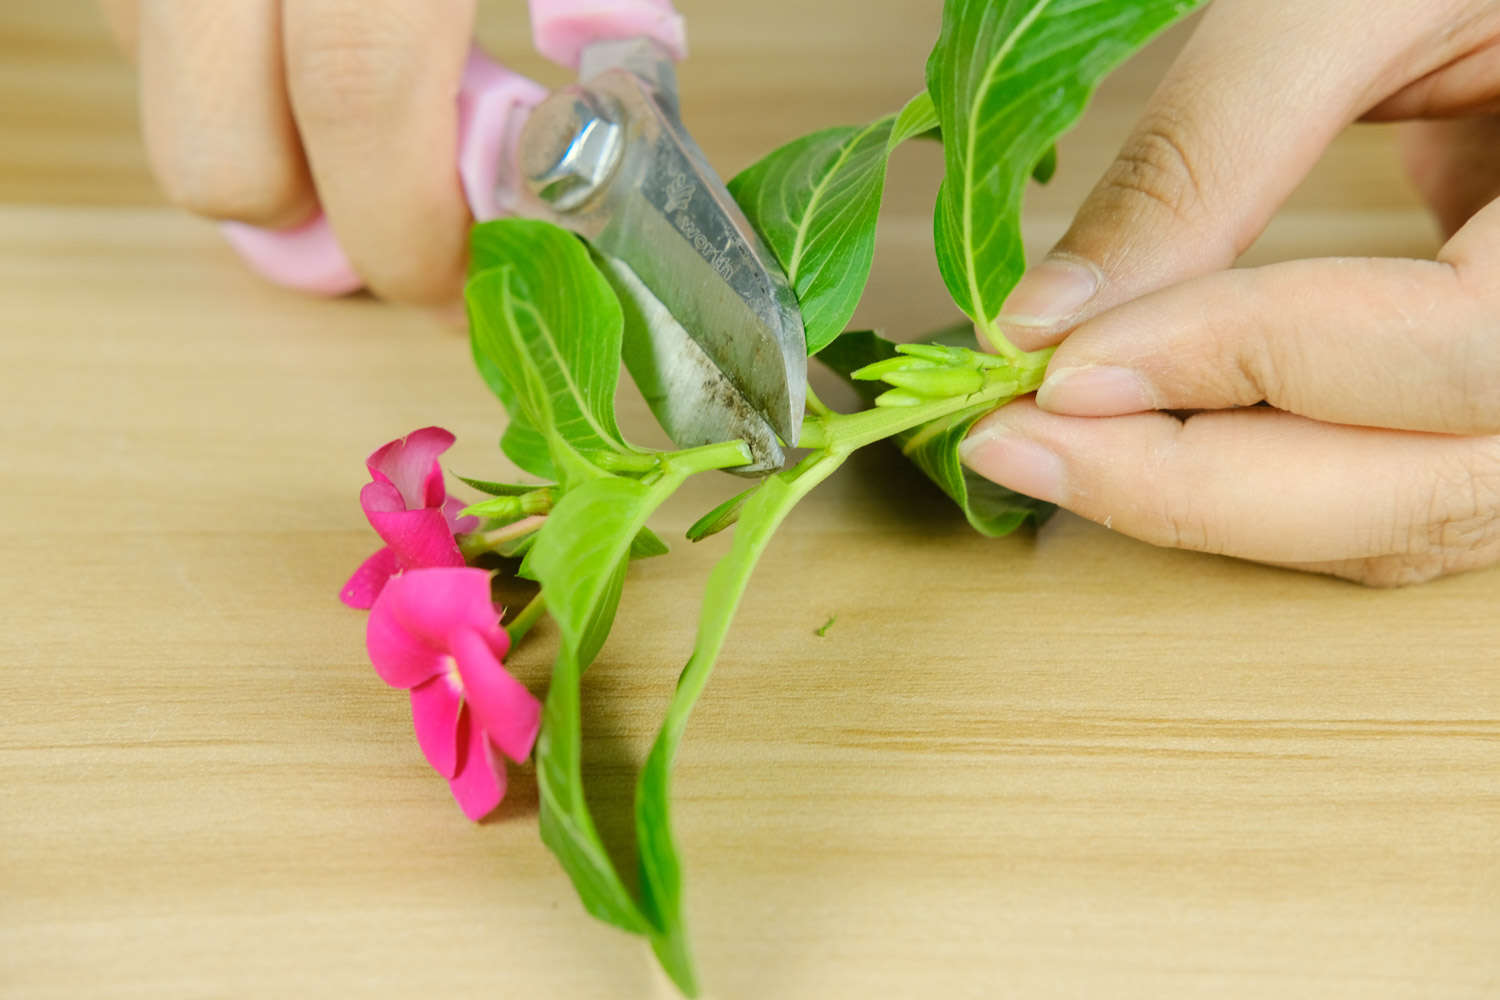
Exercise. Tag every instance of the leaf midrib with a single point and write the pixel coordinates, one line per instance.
(975, 102)
(584, 409)
(821, 188)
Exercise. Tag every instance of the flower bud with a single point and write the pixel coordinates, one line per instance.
(899, 397)
(938, 383)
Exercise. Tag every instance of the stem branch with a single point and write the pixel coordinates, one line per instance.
(528, 616)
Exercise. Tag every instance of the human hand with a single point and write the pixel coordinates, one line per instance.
(261, 111)
(1379, 460)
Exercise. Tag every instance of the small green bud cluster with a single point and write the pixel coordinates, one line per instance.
(921, 373)
(505, 510)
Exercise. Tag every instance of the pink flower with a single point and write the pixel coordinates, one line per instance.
(410, 510)
(435, 633)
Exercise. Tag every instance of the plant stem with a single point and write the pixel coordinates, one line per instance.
(528, 616)
(479, 543)
(850, 432)
(661, 875)
(732, 574)
(707, 458)
(816, 406)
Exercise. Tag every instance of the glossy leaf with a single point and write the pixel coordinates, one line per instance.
(546, 329)
(1008, 77)
(991, 509)
(816, 201)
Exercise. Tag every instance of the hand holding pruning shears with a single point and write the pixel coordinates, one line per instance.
(268, 115)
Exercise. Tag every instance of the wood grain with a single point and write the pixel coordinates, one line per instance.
(1059, 765)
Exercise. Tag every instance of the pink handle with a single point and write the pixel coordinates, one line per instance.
(492, 106)
(562, 29)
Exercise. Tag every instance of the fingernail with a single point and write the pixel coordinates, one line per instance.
(1050, 293)
(1096, 391)
(1001, 455)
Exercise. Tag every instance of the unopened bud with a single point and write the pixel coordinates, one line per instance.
(938, 383)
(900, 397)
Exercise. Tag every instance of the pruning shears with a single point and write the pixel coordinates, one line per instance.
(609, 159)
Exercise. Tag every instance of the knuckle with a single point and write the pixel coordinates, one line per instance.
(1157, 167)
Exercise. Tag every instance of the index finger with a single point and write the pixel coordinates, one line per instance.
(1248, 107)
(1402, 344)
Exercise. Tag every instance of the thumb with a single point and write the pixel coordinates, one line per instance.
(1245, 111)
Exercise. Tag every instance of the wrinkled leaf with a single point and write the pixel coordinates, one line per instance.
(546, 328)
(1008, 77)
(991, 509)
(816, 201)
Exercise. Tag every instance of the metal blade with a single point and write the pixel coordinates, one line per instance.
(690, 396)
(639, 189)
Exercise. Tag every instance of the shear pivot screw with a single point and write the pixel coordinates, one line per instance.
(570, 149)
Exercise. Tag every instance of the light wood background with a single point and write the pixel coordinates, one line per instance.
(1058, 765)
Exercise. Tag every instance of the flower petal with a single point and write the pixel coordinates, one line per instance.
(420, 538)
(499, 703)
(430, 604)
(458, 525)
(435, 706)
(381, 498)
(401, 658)
(369, 580)
(479, 785)
(411, 465)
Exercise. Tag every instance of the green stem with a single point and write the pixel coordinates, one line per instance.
(709, 457)
(733, 572)
(532, 613)
(852, 431)
(480, 543)
(816, 406)
(661, 872)
(815, 431)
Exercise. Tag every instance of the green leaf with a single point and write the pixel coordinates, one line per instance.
(500, 489)
(580, 557)
(521, 442)
(918, 118)
(720, 518)
(648, 545)
(661, 869)
(1008, 77)
(991, 509)
(816, 201)
(1046, 167)
(546, 330)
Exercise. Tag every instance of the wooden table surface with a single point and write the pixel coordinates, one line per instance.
(1058, 765)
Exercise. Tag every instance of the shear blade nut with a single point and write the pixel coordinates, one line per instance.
(571, 147)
